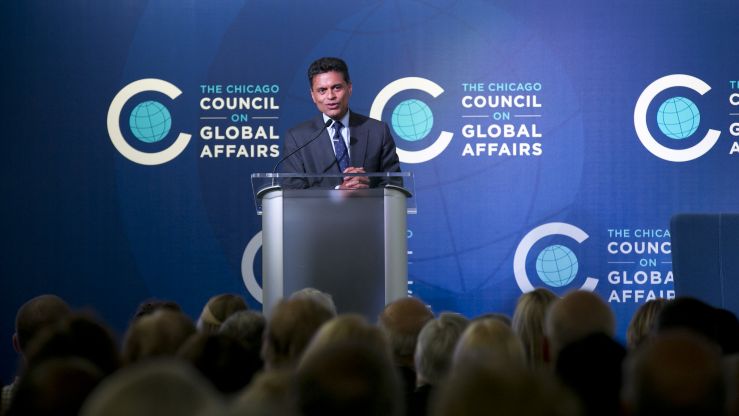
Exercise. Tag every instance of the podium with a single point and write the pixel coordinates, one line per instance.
(351, 244)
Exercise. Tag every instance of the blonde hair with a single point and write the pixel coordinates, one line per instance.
(643, 321)
(528, 323)
(490, 343)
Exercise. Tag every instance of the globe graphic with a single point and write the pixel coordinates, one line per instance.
(150, 121)
(412, 120)
(678, 118)
(556, 265)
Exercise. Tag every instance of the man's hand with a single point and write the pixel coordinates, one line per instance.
(354, 182)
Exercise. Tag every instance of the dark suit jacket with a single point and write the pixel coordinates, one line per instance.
(371, 146)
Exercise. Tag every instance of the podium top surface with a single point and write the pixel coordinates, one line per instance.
(393, 183)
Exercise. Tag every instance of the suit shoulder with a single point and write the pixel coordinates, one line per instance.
(362, 120)
(306, 125)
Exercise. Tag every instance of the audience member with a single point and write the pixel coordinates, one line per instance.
(247, 327)
(77, 335)
(289, 330)
(575, 316)
(643, 322)
(217, 310)
(55, 387)
(528, 323)
(346, 328)
(677, 372)
(323, 298)
(158, 334)
(150, 306)
(270, 393)
(489, 343)
(348, 378)
(222, 360)
(32, 317)
(402, 321)
(495, 315)
(161, 387)
(731, 374)
(591, 368)
(483, 391)
(433, 358)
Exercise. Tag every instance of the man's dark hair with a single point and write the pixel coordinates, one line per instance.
(328, 64)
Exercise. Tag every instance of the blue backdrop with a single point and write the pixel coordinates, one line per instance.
(534, 164)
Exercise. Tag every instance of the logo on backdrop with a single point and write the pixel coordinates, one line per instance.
(239, 121)
(678, 119)
(556, 265)
(499, 119)
(149, 122)
(247, 267)
(412, 120)
(640, 263)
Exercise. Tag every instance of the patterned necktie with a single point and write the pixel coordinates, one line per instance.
(342, 153)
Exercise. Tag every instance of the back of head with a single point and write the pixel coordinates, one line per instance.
(675, 373)
(55, 387)
(222, 360)
(269, 393)
(158, 334)
(150, 306)
(591, 367)
(575, 316)
(489, 343)
(528, 323)
(482, 391)
(323, 298)
(218, 309)
(247, 327)
(402, 321)
(718, 325)
(435, 346)
(289, 330)
(348, 328)
(643, 322)
(77, 335)
(348, 379)
(36, 314)
(156, 388)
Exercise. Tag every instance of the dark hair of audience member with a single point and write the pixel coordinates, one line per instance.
(694, 315)
(483, 391)
(591, 368)
(55, 387)
(158, 334)
(677, 372)
(643, 322)
(35, 315)
(78, 335)
(348, 378)
(222, 360)
(218, 309)
(247, 327)
(528, 323)
(159, 387)
(150, 306)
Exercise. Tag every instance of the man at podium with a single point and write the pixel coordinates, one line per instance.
(337, 140)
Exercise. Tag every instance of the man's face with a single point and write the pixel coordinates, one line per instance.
(331, 94)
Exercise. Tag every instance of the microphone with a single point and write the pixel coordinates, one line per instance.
(325, 126)
(272, 187)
